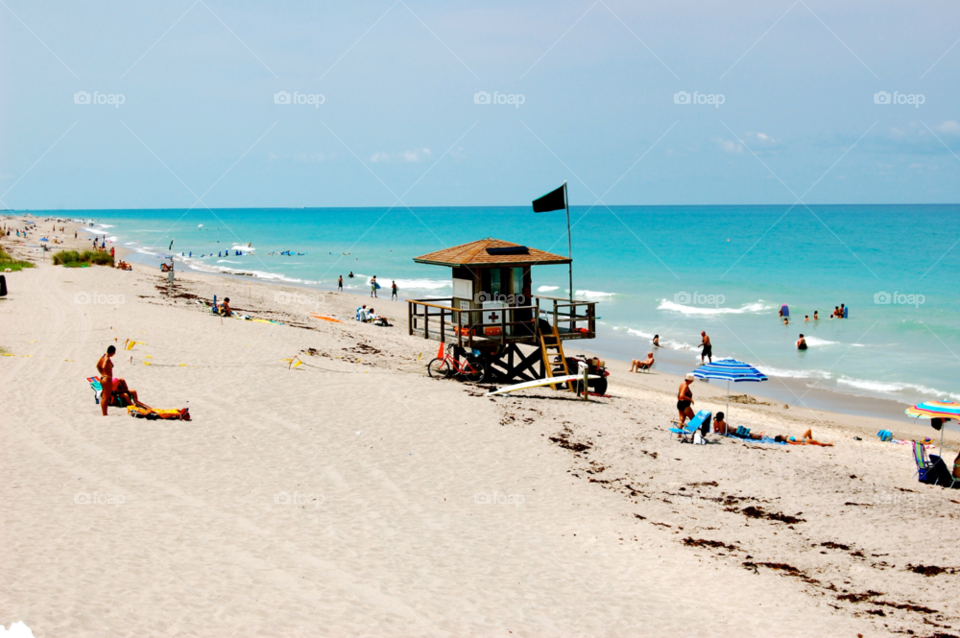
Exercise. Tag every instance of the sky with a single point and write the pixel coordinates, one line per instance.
(466, 103)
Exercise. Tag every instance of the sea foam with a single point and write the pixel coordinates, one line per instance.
(751, 308)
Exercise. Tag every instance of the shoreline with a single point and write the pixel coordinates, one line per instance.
(791, 391)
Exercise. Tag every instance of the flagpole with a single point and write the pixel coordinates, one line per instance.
(566, 205)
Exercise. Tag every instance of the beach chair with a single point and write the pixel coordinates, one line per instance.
(115, 401)
(700, 422)
(932, 470)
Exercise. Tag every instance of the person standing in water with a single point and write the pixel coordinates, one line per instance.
(373, 286)
(340, 284)
(656, 340)
(707, 347)
(394, 291)
(801, 343)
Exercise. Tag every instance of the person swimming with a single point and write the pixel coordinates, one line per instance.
(801, 343)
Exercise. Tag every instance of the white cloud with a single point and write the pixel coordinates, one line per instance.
(949, 127)
(416, 155)
(728, 146)
(761, 141)
(379, 157)
(314, 157)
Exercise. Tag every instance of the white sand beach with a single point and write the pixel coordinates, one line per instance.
(354, 495)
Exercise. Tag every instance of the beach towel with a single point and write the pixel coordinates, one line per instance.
(115, 401)
(153, 415)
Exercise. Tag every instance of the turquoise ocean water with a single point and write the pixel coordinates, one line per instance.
(672, 271)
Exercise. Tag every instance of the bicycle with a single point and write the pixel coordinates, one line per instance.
(472, 369)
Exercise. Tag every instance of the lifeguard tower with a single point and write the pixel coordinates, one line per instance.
(493, 311)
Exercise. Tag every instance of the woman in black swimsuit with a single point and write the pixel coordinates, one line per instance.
(685, 400)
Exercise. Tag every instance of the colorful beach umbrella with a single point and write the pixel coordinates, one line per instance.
(730, 370)
(945, 410)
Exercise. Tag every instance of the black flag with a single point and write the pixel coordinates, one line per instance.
(554, 200)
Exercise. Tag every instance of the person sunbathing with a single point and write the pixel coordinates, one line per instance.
(637, 365)
(806, 439)
(720, 426)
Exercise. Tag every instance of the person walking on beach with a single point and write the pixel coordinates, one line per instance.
(340, 284)
(105, 369)
(707, 347)
(373, 286)
(394, 296)
(685, 399)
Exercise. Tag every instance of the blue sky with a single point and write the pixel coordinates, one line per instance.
(399, 118)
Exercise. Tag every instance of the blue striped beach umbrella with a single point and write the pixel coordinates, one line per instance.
(730, 370)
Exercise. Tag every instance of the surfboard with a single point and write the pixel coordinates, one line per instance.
(325, 318)
(538, 383)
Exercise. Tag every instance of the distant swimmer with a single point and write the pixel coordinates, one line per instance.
(816, 315)
(707, 347)
(656, 340)
(350, 275)
(801, 343)
(786, 321)
(806, 318)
